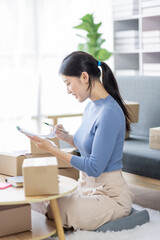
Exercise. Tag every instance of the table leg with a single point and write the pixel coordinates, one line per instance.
(57, 219)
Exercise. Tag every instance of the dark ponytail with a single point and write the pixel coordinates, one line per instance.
(111, 86)
(77, 62)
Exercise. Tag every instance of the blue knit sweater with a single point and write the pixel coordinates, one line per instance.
(100, 138)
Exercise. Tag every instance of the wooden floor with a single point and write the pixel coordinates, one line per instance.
(146, 190)
(142, 181)
(145, 197)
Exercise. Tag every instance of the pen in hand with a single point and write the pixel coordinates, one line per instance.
(48, 124)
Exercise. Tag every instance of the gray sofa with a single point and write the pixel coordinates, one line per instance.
(138, 158)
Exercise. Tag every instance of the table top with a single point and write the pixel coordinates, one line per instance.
(12, 195)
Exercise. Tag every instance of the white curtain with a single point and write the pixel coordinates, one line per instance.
(35, 36)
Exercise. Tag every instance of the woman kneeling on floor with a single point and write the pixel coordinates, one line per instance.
(102, 194)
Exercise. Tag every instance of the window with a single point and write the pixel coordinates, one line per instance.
(35, 37)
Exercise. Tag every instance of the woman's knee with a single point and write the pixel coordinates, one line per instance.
(40, 207)
(65, 205)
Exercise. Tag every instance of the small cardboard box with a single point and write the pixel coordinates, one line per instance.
(40, 176)
(62, 163)
(133, 109)
(35, 150)
(126, 135)
(154, 138)
(11, 163)
(69, 172)
(14, 219)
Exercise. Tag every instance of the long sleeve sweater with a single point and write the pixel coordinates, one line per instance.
(100, 138)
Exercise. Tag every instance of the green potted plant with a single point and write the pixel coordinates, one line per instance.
(93, 38)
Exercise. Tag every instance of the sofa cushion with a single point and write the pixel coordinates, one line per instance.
(134, 219)
(139, 159)
(145, 91)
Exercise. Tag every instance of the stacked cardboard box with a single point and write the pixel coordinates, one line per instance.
(40, 176)
(154, 138)
(11, 163)
(9, 224)
(69, 172)
(64, 168)
(36, 151)
(133, 110)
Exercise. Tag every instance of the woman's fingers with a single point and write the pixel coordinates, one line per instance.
(36, 139)
(59, 126)
(43, 143)
(60, 129)
(58, 132)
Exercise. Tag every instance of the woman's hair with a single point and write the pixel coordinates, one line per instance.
(77, 62)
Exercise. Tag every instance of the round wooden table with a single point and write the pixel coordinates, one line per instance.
(41, 226)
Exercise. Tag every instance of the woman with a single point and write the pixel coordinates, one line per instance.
(102, 194)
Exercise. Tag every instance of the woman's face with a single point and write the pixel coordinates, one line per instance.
(78, 86)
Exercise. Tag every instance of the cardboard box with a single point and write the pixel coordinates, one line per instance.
(40, 176)
(69, 172)
(35, 150)
(133, 109)
(14, 219)
(126, 135)
(61, 163)
(154, 138)
(11, 163)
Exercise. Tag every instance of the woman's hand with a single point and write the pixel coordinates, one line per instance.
(43, 143)
(60, 134)
(50, 147)
(64, 136)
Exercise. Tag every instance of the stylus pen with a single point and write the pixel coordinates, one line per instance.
(48, 124)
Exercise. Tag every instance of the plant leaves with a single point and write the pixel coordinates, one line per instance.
(84, 26)
(82, 47)
(78, 35)
(100, 42)
(102, 54)
(96, 26)
(93, 38)
(88, 18)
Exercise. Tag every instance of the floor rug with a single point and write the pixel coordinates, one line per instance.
(148, 231)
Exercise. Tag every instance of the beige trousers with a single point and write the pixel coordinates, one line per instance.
(95, 202)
